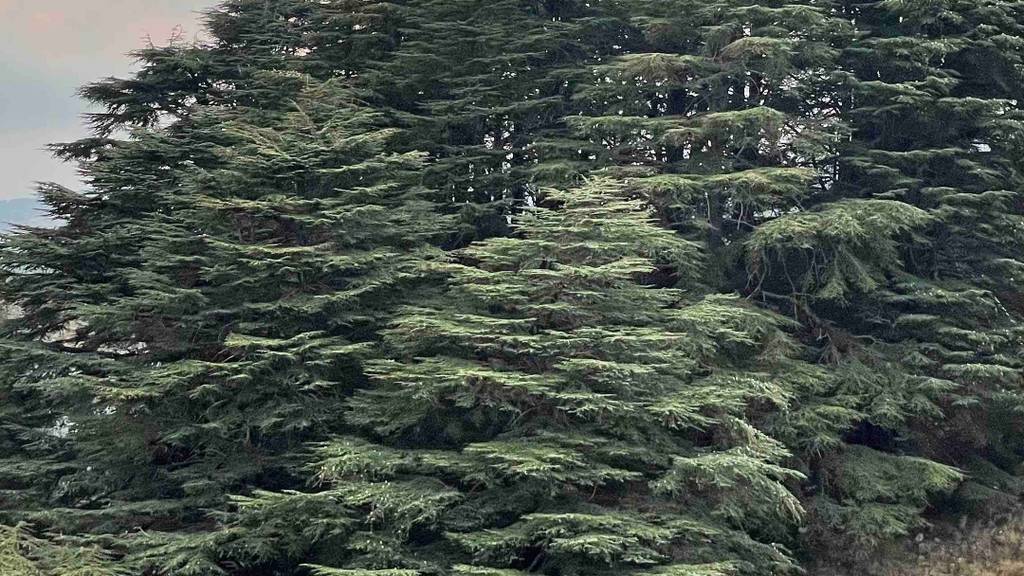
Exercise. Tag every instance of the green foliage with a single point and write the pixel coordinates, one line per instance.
(537, 388)
(23, 553)
(847, 163)
(876, 497)
(675, 288)
(843, 248)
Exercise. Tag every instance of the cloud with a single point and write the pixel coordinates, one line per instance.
(71, 31)
(46, 22)
(50, 49)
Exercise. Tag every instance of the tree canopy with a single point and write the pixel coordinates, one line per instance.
(462, 288)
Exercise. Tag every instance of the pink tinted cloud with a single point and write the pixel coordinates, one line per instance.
(48, 48)
(45, 22)
(70, 31)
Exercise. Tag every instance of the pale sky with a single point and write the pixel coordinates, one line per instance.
(48, 48)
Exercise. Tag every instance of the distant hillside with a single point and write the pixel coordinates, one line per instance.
(22, 211)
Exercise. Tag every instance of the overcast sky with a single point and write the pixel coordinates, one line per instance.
(48, 48)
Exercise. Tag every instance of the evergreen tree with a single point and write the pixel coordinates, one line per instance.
(726, 117)
(783, 136)
(209, 302)
(472, 83)
(723, 114)
(555, 287)
(480, 82)
(556, 412)
(203, 312)
(907, 279)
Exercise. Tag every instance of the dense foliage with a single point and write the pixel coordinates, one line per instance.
(674, 288)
